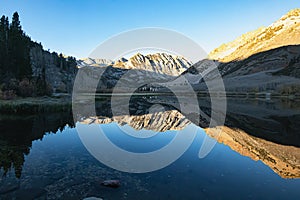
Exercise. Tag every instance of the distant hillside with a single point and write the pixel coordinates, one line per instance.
(275, 70)
(285, 31)
(265, 60)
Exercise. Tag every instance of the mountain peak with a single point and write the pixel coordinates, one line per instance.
(162, 63)
(122, 60)
(139, 58)
(94, 62)
(283, 32)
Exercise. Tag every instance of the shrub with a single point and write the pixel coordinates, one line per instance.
(42, 88)
(289, 89)
(10, 84)
(25, 88)
(8, 94)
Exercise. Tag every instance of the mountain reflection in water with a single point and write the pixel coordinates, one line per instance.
(261, 130)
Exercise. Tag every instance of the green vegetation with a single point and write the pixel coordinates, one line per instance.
(34, 105)
(290, 90)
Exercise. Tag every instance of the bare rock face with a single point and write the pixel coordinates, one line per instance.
(111, 183)
(59, 75)
(92, 198)
(94, 62)
(285, 31)
(138, 70)
(283, 160)
(160, 63)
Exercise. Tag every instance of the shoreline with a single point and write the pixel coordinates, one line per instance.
(62, 103)
(34, 105)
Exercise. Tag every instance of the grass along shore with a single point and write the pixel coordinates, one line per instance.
(33, 105)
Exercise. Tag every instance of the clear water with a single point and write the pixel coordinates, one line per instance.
(47, 160)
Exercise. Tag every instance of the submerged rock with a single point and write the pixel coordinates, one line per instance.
(92, 198)
(111, 183)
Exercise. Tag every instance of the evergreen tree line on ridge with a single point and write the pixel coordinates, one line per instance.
(16, 74)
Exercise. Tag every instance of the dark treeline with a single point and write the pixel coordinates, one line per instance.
(16, 62)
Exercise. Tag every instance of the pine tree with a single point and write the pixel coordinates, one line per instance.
(15, 24)
(4, 28)
(19, 50)
(2, 41)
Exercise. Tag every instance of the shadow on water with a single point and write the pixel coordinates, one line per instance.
(18, 132)
(275, 120)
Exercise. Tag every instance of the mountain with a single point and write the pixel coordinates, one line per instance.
(135, 72)
(94, 62)
(272, 70)
(160, 63)
(265, 60)
(285, 31)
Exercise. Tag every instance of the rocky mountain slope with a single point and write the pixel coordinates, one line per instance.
(265, 60)
(272, 70)
(94, 62)
(58, 71)
(285, 31)
(134, 72)
(160, 63)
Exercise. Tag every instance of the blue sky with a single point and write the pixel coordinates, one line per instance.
(76, 27)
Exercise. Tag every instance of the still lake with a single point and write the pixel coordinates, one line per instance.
(43, 157)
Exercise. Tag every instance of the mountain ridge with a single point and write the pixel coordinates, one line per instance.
(283, 32)
(161, 63)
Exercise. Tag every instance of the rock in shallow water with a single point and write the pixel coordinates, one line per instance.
(92, 198)
(111, 183)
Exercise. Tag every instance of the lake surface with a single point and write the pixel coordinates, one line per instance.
(43, 157)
